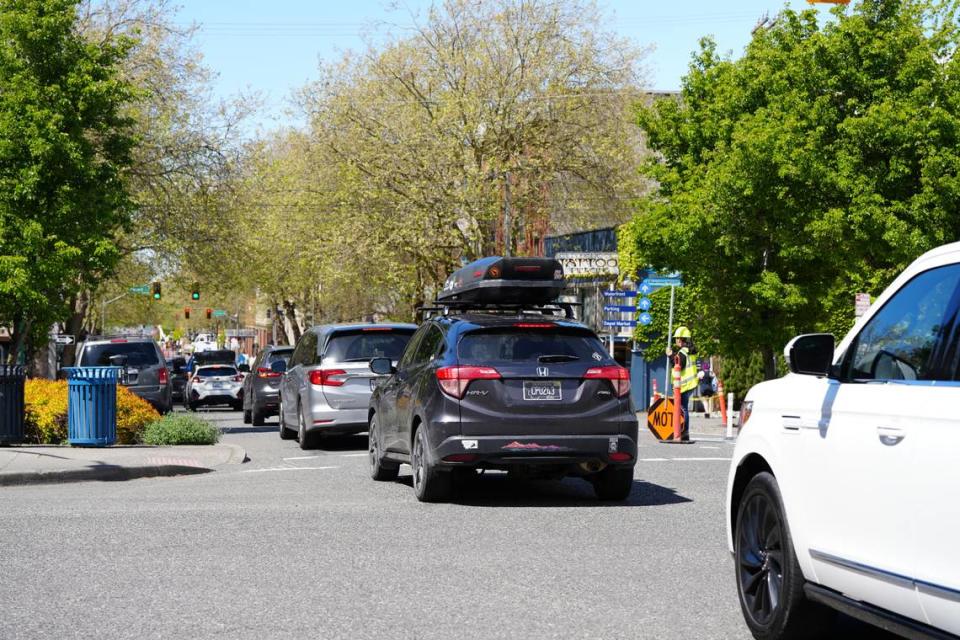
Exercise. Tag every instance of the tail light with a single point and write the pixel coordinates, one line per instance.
(534, 325)
(164, 375)
(461, 457)
(454, 380)
(238, 377)
(617, 375)
(620, 456)
(328, 377)
(263, 372)
(197, 379)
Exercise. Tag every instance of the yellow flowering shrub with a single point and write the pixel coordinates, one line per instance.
(46, 410)
(133, 415)
(46, 413)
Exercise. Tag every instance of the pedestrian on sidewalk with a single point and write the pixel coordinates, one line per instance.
(683, 341)
(708, 389)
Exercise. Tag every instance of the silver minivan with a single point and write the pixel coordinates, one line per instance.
(326, 386)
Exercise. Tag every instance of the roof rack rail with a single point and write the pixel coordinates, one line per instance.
(116, 336)
(457, 308)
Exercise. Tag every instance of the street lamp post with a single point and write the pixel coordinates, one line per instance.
(103, 310)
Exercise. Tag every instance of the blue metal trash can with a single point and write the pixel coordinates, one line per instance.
(12, 378)
(92, 406)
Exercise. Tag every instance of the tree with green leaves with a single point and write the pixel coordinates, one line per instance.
(815, 166)
(65, 148)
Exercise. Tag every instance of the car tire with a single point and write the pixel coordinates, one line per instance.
(247, 418)
(236, 406)
(380, 469)
(285, 434)
(191, 406)
(613, 484)
(258, 416)
(306, 439)
(769, 579)
(429, 483)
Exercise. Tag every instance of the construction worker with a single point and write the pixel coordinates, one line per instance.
(688, 373)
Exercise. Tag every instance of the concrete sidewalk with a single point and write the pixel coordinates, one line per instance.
(48, 464)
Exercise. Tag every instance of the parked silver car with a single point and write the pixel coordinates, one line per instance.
(325, 389)
(214, 384)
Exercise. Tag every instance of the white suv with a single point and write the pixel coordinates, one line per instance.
(844, 490)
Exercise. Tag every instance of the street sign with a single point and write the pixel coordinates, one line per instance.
(219, 313)
(861, 304)
(663, 282)
(619, 293)
(644, 304)
(619, 308)
(619, 323)
(143, 288)
(63, 338)
(660, 419)
(645, 318)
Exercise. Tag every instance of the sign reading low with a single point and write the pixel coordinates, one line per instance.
(589, 263)
(660, 418)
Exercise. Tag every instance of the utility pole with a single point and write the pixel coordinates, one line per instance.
(507, 223)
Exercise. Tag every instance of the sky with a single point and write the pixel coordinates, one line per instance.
(273, 47)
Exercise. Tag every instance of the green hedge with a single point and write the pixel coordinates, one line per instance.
(180, 429)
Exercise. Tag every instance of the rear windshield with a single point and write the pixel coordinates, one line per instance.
(213, 372)
(277, 356)
(220, 355)
(356, 346)
(529, 345)
(138, 354)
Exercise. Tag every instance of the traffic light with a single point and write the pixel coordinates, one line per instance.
(195, 291)
(156, 291)
(209, 313)
(186, 313)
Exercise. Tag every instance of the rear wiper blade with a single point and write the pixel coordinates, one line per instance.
(560, 357)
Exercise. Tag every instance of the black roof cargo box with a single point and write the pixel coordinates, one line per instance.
(509, 281)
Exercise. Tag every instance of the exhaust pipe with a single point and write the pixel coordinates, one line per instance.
(592, 466)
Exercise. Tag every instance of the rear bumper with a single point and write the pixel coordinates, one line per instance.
(537, 450)
(324, 418)
(216, 396)
(158, 396)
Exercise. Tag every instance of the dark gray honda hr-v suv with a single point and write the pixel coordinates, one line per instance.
(503, 389)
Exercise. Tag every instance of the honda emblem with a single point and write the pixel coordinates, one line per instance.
(543, 372)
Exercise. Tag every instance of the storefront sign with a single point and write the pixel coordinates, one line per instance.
(589, 263)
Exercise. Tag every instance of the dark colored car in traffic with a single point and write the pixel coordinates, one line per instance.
(261, 387)
(178, 376)
(508, 389)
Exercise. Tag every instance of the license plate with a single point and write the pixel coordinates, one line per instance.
(542, 390)
(219, 385)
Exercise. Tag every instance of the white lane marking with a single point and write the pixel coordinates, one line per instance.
(288, 469)
(700, 447)
(354, 455)
(683, 459)
(302, 458)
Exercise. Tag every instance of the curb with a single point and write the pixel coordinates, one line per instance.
(107, 474)
(119, 473)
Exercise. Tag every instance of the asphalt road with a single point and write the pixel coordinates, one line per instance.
(302, 544)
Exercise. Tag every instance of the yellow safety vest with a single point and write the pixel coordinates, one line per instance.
(688, 375)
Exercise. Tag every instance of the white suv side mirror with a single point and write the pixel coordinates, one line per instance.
(810, 354)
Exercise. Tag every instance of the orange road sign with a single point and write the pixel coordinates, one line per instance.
(660, 419)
